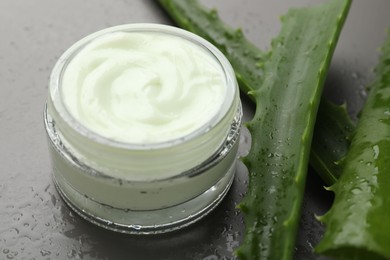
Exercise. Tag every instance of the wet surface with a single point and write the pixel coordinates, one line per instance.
(36, 224)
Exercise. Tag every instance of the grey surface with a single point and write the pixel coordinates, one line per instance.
(35, 223)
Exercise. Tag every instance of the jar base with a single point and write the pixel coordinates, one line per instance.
(148, 221)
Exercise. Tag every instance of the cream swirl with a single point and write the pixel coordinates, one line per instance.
(143, 87)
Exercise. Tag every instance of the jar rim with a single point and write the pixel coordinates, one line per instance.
(55, 93)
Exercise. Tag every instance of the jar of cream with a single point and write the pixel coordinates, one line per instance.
(143, 123)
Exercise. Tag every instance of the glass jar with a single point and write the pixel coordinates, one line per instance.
(143, 188)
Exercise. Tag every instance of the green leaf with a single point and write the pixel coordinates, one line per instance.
(283, 125)
(358, 225)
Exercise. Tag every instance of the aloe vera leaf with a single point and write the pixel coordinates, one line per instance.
(358, 223)
(247, 61)
(282, 128)
(331, 139)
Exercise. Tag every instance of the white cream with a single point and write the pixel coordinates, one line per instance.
(143, 87)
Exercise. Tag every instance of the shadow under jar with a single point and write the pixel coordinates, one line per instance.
(143, 123)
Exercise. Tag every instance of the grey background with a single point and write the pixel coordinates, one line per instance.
(34, 221)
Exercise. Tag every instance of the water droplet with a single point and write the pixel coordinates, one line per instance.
(271, 190)
(310, 244)
(363, 93)
(71, 254)
(376, 151)
(45, 252)
(356, 190)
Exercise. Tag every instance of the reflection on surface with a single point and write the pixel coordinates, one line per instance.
(216, 235)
